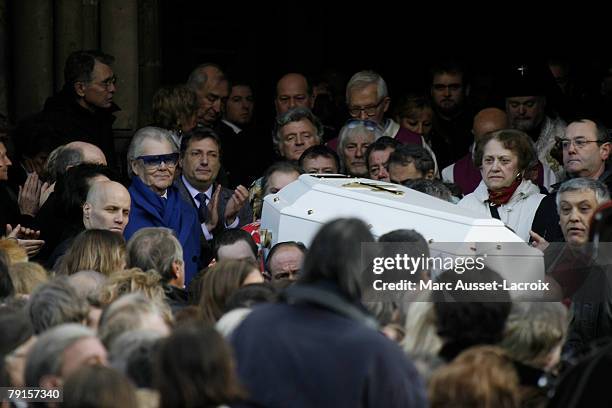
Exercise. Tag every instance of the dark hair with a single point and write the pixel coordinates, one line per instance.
(231, 236)
(221, 280)
(98, 386)
(318, 151)
(279, 245)
(72, 188)
(514, 140)
(197, 134)
(448, 66)
(80, 65)
(251, 295)
(434, 188)
(601, 130)
(335, 255)
(410, 153)
(139, 366)
(382, 143)
(410, 102)
(195, 367)
(465, 323)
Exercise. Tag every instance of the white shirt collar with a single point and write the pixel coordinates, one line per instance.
(194, 191)
(235, 128)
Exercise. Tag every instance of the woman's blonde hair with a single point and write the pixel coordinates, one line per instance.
(130, 281)
(26, 276)
(94, 250)
(14, 252)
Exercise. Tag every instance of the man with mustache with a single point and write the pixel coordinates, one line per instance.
(83, 109)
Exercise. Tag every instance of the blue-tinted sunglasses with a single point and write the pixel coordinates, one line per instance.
(368, 124)
(156, 160)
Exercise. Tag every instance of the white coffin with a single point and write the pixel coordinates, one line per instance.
(297, 212)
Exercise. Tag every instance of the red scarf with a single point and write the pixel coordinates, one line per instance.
(501, 197)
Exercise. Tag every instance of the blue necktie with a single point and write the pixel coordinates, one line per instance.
(203, 209)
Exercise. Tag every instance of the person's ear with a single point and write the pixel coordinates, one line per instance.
(177, 269)
(79, 88)
(429, 175)
(386, 103)
(604, 151)
(87, 210)
(134, 166)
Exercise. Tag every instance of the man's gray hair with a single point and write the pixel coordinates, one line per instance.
(87, 284)
(295, 115)
(353, 128)
(584, 184)
(47, 355)
(198, 77)
(364, 78)
(129, 312)
(66, 157)
(54, 303)
(143, 134)
(127, 344)
(154, 248)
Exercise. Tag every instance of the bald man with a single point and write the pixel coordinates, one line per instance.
(107, 207)
(463, 172)
(293, 91)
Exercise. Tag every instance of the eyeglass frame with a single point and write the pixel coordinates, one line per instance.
(579, 142)
(364, 109)
(149, 160)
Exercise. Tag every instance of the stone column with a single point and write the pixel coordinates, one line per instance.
(119, 37)
(150, 57)
(33, 55)
(90, 29)
(68, 27)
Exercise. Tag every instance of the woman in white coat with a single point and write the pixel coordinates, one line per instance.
(503, 156)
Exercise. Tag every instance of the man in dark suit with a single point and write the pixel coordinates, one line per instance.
(218, 207)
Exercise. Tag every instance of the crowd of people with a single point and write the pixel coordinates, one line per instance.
(139, 278)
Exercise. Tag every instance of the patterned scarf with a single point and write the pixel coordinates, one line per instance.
(501, 197)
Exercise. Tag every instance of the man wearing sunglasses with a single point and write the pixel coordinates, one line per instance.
(156, 202)
(83, 109)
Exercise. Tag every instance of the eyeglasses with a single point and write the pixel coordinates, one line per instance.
(108, 82)
(579, 142)
(370, 111)
(155, 161)
(368, 124)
